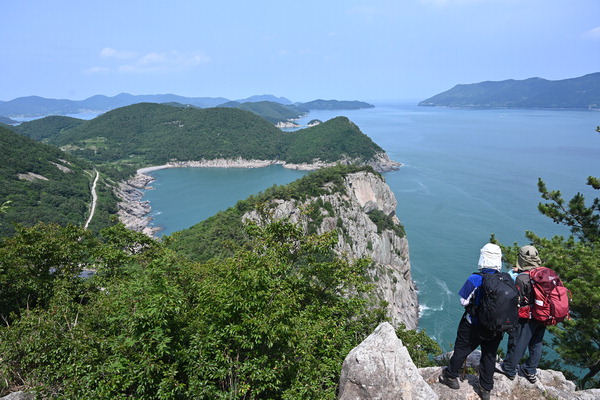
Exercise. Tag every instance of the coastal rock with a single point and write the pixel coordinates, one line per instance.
(381, 368)
(133, 212)
(359, 237)
(287, 124)
(380, 163)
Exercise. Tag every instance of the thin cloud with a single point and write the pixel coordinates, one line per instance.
(593, 33)
(109, 52)
(97, 70)
(150, 62)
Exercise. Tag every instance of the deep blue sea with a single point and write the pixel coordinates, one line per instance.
(466, 174)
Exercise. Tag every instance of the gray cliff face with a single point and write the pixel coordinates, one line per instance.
(359, 237)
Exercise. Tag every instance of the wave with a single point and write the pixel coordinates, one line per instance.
(424, 309)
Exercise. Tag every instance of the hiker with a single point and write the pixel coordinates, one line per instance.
(529, 332)
(471, 333)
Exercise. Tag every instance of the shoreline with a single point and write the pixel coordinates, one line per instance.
(134, 212)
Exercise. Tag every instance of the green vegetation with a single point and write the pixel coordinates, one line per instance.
(271, 111)
(153, 134)
(274, 321)
(577, 260)
(7, 121)
(330, 141)
(45, 184)
(576, 93)
(422, 348)
(385, 222)
(44, 128)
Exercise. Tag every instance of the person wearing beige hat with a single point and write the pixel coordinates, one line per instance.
(529, 333)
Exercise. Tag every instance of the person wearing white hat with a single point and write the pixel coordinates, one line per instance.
(470, 334)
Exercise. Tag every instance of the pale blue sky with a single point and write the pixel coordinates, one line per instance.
(302, 50)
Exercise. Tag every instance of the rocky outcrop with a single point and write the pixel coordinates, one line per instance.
(381, 368)
(133, 212)
(381, 163)
(19, 396)
(550, 385)
(350, 211)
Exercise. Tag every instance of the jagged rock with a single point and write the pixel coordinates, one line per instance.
(381, 368)
(550, 385)
(359, 237)
(133, 212)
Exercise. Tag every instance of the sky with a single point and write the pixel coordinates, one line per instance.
(369, 50)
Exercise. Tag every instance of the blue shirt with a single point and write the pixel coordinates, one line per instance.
(472, 283)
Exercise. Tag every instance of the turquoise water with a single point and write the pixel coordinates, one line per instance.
(466, 174)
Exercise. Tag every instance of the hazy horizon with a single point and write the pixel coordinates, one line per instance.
(348, 50)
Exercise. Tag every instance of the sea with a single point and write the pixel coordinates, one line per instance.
(466, 174)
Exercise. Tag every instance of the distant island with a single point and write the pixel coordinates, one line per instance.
(581, 93)
(274, 109)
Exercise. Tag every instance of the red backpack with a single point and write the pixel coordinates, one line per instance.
(551, 297)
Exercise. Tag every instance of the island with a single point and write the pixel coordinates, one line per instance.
(582, 93)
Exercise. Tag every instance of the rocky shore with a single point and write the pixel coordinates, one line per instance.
(134, 213)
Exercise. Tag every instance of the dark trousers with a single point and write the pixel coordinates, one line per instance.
(468, 338)
(528, 334)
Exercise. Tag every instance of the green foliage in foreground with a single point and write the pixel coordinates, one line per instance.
(274, 321)
(422, 348)
(577, 260)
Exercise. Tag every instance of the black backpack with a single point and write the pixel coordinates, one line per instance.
(499, 302)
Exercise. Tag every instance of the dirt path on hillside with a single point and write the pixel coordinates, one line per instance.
(94, 200)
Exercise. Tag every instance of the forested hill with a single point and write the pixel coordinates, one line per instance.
(35, 106)
(576, 93)
(43, 184)
(269, 110)
(154, 134)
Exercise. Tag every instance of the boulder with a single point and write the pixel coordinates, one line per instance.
(380, 368)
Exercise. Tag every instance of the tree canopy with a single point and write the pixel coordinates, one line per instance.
(275, 320)
(153, 134)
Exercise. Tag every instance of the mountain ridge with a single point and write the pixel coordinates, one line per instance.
(581, 93)
(36, 106)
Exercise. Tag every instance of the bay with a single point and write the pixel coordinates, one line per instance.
(466, 174)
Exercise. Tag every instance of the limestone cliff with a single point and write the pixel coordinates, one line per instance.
(358, 212)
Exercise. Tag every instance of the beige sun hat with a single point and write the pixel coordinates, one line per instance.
(528, 258)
